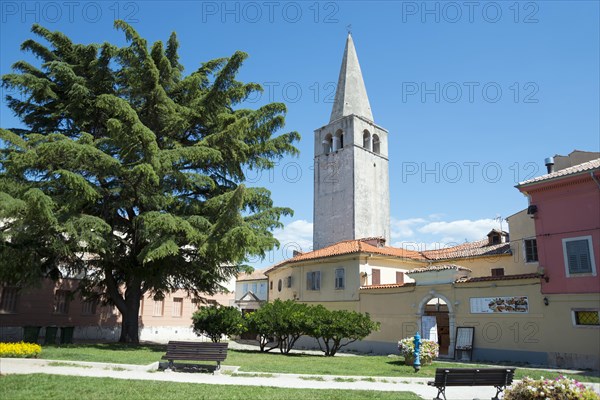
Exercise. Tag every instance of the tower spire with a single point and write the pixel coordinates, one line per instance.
(351, 94)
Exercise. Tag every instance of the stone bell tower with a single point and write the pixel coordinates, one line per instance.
(352, 193)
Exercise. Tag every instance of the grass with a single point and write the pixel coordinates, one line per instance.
(66, 364)
(313, 378)
(253, 375)
(257, 362)
(41, 386)
(338, 379)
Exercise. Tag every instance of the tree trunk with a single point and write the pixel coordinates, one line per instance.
(130, 321)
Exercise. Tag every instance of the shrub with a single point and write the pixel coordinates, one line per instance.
(429, 350)
(336, 329)
(561, 388)
(285, 321)
(216, 322)
(20, 350)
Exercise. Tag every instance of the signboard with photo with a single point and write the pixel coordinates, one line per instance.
(513, 304)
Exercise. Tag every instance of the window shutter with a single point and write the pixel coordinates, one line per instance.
(578, 256)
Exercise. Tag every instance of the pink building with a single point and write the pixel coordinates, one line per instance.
(56, 305)
(566, 207)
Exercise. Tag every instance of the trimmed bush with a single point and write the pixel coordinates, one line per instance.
(20, 350)
(429, 350)
(561, 388)
(338, 328)
(216, 322)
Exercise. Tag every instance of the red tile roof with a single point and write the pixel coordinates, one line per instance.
(442, 267)
(498, 278)
(574, 170)
(351, 247)
(388, 286)
(465, 250)
(254, 276)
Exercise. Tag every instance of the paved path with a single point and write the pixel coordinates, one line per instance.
(151, 372)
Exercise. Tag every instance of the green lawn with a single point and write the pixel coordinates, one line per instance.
(254, 361)
(41, 386)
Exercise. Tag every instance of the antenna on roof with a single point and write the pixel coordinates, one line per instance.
(499, 219)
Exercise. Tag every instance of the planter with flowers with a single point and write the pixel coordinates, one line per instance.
(429, 350)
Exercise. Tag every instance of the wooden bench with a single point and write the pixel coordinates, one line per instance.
(196, 351)
(500, 378)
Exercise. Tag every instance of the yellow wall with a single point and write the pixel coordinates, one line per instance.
(482, 266)
(521, 227)
(327, 293)
(545, 334)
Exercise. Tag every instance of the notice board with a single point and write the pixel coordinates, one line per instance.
(464, 340)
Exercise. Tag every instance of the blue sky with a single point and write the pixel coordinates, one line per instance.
(474, 94)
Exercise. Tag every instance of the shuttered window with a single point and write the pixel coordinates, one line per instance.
(158, 308)
(313, 280)
(579, 256)
(8, 299)
(177, 306)
(531, 254)
(340, 278)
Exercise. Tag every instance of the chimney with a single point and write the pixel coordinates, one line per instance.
(549, 164)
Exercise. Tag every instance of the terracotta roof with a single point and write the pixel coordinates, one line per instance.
(498, 278)
(442, 267)
(254, 276)
(387, 286)
(351, 247)
(465, 250)
(574, 170)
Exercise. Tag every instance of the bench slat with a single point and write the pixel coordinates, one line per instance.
(196, 351)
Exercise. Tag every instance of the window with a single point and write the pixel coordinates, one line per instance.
(88, 307)
(497, 271)
(579, 256)
(177, 306)
(159, 306)
(375, 277)
(61, 301)
(338, 140)
(376, 144)
(271, 285)
(586, 317)
(399, 277)
(313, 280)
(244, 288)
(367, 140)
(339, 278)
(279, 285)
(531, 254)
(327, 146)
(289, 281)
(8, 300)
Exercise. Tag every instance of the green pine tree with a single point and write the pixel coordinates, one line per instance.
(131, 174)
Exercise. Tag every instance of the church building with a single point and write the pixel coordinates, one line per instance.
(480, 300)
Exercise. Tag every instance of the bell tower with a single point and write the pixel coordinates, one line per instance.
(352, 195)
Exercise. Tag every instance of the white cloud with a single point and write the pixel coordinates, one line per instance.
(460, 230)
(403, 228)
(297, 235)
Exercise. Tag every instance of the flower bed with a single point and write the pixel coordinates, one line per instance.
(561, 388)
(20, 350)
(429, 350)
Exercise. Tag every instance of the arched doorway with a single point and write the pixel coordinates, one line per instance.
(439, 307)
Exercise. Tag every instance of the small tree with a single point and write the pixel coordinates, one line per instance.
(336, 329)
(285, 321)
(260, 322)
(216, 322)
